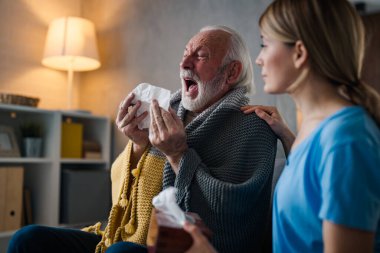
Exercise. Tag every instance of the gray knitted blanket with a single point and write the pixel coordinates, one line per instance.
(225, 176)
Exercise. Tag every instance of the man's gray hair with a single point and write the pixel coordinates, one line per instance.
(238, 51)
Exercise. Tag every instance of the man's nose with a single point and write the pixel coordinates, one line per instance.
(186, 62)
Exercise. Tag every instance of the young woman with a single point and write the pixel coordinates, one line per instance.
(328, 196)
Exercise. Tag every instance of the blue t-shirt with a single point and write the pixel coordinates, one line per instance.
(334, 175)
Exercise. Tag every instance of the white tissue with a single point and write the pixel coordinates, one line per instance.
(166, 203)
(146, 92)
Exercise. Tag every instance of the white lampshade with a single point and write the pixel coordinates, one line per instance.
(71, 45)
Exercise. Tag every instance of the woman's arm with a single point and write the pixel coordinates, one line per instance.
(338, 238)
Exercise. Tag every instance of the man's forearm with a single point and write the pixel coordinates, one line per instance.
(174, 161)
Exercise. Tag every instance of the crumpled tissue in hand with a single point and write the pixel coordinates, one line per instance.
(166, 203)
(146, 92)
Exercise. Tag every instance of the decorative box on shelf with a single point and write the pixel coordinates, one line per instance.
(14, 99)
(72, 139)
(11, 189)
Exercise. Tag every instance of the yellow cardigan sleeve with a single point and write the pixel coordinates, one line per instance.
(118, 170)
(132, 192)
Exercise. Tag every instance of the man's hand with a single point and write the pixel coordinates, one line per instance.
(127, 122)
(200, 242)
(167, 133)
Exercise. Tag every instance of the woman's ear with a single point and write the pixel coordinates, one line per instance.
(233, 72)
(300, 54)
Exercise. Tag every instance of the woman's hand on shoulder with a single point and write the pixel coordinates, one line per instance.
(273, 118)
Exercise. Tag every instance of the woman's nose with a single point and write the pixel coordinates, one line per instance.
(259, 61)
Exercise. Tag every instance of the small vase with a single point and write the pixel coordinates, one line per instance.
(32, 147)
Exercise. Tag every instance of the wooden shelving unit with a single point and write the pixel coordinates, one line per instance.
(43, 175)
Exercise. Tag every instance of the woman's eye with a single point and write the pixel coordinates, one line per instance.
(262, 45)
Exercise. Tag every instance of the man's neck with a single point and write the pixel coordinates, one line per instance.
(190, 116)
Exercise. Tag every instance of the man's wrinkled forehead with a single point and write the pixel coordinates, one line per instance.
(216, 41)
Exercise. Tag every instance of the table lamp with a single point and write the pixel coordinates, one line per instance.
(71, 46)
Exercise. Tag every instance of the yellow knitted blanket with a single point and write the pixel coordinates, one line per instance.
(132, 192)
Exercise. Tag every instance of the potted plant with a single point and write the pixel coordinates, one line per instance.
(31, 133)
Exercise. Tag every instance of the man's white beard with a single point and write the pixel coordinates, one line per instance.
(206, 90)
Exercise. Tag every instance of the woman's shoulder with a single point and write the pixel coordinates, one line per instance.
(350, 124)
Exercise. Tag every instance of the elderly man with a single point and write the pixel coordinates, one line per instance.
(221, 165)
(220, 160)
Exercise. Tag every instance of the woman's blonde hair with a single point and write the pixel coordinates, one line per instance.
(333, 34)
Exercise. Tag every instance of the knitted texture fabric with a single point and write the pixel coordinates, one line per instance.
(130, 214)
(226, 174)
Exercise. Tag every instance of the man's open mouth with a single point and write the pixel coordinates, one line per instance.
(190, 84)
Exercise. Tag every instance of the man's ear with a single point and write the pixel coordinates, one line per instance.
(233, 72)
(300, 55)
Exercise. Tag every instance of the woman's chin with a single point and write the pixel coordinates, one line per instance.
(272, 90)
(269, 90)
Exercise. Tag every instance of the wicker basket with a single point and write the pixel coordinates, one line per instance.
(18, 100)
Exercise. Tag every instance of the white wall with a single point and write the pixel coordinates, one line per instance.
(139, 41)
(143, 41)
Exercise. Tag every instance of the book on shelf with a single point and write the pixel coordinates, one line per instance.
(92, 155)
(91, 149)
(72, 139)
(27, 208)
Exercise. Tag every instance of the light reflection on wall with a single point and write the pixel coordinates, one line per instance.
(23, 31)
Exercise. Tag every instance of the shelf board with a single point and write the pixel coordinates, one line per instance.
(5, 234)
(22, 108)
(25, 160)
(82, 115)
(82, 161)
